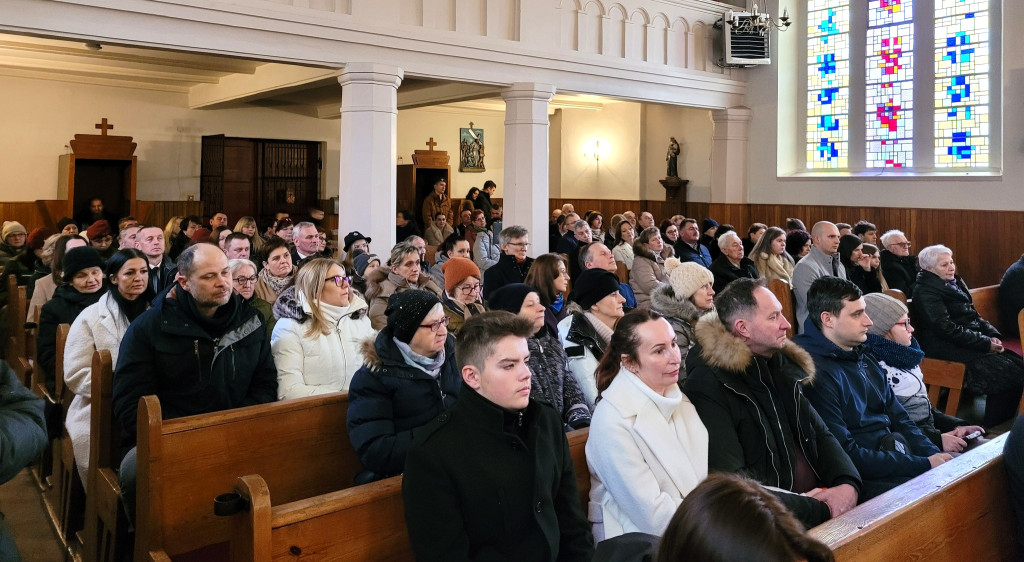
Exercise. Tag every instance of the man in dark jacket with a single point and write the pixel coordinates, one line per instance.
(1011, 297)
(150, 241)
(183, 239)
(731, 264)
(512, 494)
(746, 381)
(483, 200)
(513, 264)
(851, 393)
(688, 247)
(409, 377)
(899, 266)
(199, 349)
(22, 438)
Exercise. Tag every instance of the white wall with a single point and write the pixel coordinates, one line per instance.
(772, 108)
(43, 115)
(415, 126)
(693, 129)
(617, 174)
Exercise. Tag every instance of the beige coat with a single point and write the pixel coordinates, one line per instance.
(774, 267)
(647, 273)
(382, 283)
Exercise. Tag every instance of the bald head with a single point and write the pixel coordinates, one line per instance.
(825, 237)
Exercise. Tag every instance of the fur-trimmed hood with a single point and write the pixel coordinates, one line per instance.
(380, 352)
(722, 350)
(640, 252)
(664, 302)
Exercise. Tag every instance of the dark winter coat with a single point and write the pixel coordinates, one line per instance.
(867, 281)
(685, 252)
(900, 272)
(168, 353)
(945, 321)
(553, 383)
(505, 272)
(724, 382)
(167, 272)
(725, 272)
(389, 402)
(512, 495)
(1013, 455)
(851, 394)
(63, 308)
(1011, 296)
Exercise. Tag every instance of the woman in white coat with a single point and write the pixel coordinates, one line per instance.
(321, 324)
(101, 326)
(647, 447)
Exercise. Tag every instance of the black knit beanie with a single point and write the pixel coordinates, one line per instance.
(406, 311)
(510, 297)
(82, 257)
(592, 286)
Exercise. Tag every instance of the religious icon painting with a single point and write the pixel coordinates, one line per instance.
(471, 149)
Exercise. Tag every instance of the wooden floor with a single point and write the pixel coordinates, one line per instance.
(22, 506)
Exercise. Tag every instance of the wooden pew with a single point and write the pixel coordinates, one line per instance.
(17, 306)
(300, 447)
(957, 511)
(104, 538)
(986, 302)
(372, 516)
(784, 293)
(939, 374)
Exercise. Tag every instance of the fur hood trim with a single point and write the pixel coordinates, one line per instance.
(572, 308)
(664, 302)
(370, 357)
(640, 252)
(723, 350)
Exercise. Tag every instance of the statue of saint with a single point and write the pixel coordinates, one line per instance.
(673, 158)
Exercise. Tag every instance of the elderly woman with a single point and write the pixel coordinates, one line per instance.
(623, 247)
(771, 258)
(647, 447)
(949, 328)
(684, 299)
(101, 326)
(320, 328)
(891, 342)
(462, 288)
(277, 273)
(731, 264)
(596, 307)
(243, 282)
(401, 274)
(551, 380)
(409, 377)
(648, 269)
(549, 276)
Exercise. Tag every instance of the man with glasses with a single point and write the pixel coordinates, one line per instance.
(409, 377)
(899, 266)
(513, 264)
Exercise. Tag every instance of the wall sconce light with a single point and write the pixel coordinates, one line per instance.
(594, 149)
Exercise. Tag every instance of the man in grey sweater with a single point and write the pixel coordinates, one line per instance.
(822, 261)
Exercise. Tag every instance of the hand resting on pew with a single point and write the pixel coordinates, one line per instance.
(839, 499)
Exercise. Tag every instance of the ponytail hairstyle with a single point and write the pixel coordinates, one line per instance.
(625, 341)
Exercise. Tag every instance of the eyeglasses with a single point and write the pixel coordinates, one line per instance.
(470, 289)
(519, 244)
(340, 280)
(901, 244)
(245, 280)
(435, 326)
(906, 325)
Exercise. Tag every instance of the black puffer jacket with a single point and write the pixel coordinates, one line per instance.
(390, 401)
(63, 308)
(948, 327)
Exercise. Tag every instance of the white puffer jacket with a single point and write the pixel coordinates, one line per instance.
(322, 363)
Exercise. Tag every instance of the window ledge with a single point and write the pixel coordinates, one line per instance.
(973, 175)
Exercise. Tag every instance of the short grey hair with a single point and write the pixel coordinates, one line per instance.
(580, 224)
(929, 256)
(724, 239)
(304, 224)
(237, 264)
(889, 235)
(511, 233)
(401, 250)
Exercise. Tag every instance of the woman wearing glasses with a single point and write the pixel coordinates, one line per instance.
(320, 328)
(243, 280)
(409, 377)
(461, 298)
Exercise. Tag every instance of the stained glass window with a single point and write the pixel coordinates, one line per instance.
(961, 83)
(889, 81)
(828, 83)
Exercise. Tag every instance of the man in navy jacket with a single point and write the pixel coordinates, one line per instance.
(851, 394)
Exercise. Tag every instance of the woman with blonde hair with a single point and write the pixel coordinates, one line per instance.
(401, 274)
(320, 328)
(248, 227)
(172, 228)
(771, 258)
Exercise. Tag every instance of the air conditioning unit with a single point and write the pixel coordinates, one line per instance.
(745, 40)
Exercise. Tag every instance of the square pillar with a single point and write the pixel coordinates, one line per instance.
(369, 123)
(525, 195)
(729, 154)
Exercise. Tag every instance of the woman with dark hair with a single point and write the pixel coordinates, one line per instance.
(648, 269)
(596, 222)
(102, 326)
(277, 273)
(550, 278)
(647, 447)
(46, 286)
(595, 307)
(284, 229)
(551, 380)
(612, 231)
(623, 248)
(770, 256)
(728, 517)
(669, 233)
(858, 264)
(469, 203)
(798, 244)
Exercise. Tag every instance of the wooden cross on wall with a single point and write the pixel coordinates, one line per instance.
(103, 126)
(430, 143)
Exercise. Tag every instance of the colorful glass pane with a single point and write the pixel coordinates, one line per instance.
(828, 78)
(961, 83)
(889, 86)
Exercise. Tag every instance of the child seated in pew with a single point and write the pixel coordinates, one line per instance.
(493, 478)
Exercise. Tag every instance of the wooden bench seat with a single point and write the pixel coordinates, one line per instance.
(957, 511)
(300, 447)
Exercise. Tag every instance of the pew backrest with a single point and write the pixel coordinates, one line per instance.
(986, 302)
(939, 374)
(784, 292)
(578, 449)
(300, 447)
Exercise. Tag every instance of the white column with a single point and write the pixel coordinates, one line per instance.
(729, 154)
(369, 121)
(525, 191)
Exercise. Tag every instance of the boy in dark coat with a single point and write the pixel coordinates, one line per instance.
(493, 479)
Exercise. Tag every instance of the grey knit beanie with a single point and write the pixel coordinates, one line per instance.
(687, 277)
(884, 311)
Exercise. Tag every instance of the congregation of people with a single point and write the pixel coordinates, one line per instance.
(467, 358)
